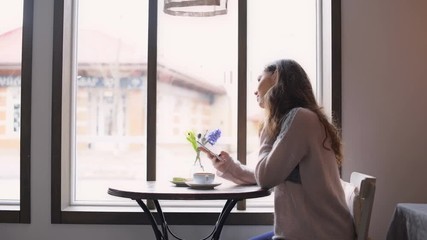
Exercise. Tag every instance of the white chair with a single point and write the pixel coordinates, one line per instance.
(362, 202)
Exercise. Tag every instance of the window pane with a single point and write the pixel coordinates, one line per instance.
(197, 87)
(11, 15)
(277, 29)
(110, 96)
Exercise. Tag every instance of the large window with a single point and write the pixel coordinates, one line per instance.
(131, 80)
(15, 109)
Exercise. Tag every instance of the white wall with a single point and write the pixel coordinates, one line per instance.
(384, 102)
(384, 58)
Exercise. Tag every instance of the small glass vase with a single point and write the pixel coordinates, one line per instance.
(196, 166)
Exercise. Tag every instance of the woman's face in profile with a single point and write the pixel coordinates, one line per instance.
(265, 81)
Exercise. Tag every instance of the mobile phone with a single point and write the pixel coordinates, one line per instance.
(208, 150)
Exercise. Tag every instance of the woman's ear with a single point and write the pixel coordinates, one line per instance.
(275, 76)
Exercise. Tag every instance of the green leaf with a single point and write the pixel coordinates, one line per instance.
(191, 137)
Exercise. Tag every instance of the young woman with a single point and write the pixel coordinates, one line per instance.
(299, 156)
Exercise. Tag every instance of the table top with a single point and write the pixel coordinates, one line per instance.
(409, 222)
(419, 208)
(163, 190)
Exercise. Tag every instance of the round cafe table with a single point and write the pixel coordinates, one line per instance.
(159, 190)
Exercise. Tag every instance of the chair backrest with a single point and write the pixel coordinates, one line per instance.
(363, 202)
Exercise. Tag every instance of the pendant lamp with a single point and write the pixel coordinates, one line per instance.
(195, 8)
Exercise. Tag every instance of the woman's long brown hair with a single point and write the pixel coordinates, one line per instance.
(293, 89)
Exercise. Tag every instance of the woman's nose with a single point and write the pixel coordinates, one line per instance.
(256, 93)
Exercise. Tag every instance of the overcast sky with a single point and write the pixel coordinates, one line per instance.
(10, 14)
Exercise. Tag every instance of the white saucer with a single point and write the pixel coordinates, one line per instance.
(203, 186)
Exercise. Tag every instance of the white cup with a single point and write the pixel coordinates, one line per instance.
(203, 178)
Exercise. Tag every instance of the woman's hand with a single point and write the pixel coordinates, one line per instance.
(221, 162)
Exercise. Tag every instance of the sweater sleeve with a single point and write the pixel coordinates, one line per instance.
(278, 157)
(238, 173)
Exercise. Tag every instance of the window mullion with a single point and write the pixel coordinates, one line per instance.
(319, 49)
(57, 108)
(151, 91)
(241, 89)
(336, 71)
(27, 40)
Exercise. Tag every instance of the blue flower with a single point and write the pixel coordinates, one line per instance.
(213, 136)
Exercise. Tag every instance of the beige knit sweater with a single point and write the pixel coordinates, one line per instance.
(314, 209)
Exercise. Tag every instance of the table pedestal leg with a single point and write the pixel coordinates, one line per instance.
(165, 227)
(229, 205)
(157, 233)
(163, 235)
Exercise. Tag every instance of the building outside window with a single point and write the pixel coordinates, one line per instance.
(16, 18)
(11, 16)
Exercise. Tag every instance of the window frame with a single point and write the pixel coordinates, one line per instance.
(60, 213)
(22, 213)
